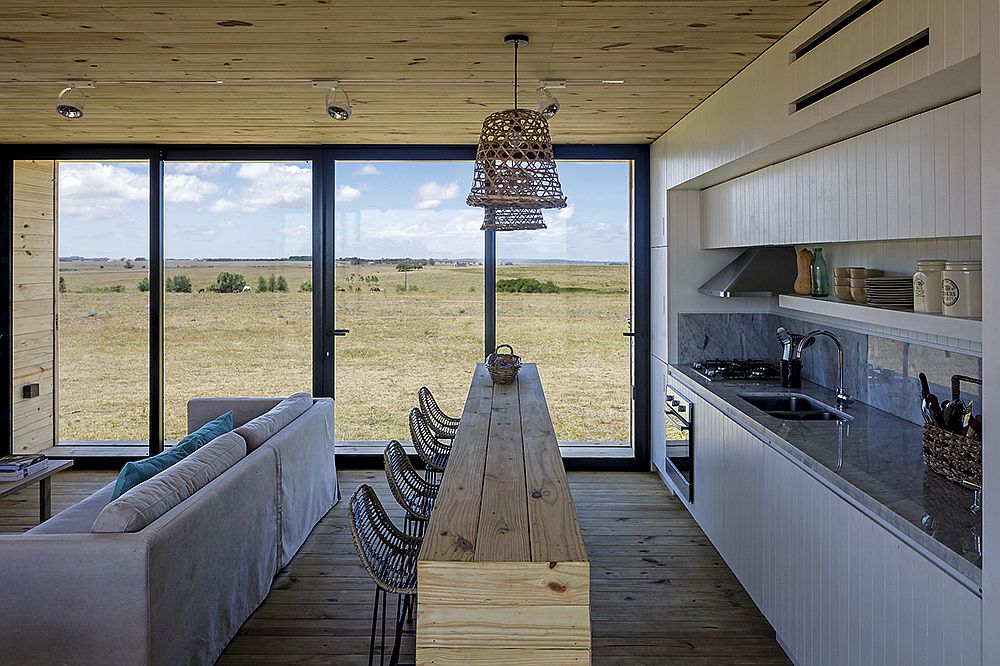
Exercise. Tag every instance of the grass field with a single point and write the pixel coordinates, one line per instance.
(252, 344)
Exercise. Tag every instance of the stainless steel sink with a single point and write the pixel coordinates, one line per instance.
(795, 407)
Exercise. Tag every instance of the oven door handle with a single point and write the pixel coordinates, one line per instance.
(677, 420)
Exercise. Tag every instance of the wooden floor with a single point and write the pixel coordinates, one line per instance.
(660, 592)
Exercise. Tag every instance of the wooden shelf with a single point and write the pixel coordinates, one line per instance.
(918, 322)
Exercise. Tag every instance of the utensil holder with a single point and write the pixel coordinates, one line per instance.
(954, 456)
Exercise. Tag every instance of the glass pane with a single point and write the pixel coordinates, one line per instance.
(564, 300)
(409, 286)
(238, 302)
(103, 330)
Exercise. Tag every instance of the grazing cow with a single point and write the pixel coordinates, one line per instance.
(375, 289)
(247, 289)
(201, 291)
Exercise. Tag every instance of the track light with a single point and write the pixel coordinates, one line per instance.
(548, 105)
(338, 104)
(71, 100)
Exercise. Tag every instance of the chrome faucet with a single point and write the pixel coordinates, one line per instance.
(843, 399)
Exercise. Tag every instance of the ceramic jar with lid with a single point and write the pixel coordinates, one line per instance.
(962, 289)
(927, 286)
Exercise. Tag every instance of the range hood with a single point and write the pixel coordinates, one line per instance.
(760, 271)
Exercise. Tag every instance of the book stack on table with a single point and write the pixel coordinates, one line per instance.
(15, 468)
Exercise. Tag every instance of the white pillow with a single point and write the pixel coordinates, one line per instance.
(143, 504)
(265, 426)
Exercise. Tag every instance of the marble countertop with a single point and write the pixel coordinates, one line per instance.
(876, 459)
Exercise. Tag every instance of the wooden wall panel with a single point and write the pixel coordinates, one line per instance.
(748, 123)
(917, 178)
(34, 269)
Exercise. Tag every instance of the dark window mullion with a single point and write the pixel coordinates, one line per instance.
(156, 319)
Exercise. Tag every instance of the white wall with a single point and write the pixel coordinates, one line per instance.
(689, 267)
(990, 22)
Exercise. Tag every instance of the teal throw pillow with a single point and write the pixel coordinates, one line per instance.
(134, 473)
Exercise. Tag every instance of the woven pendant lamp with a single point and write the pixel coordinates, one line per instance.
(515, 168)
(513, 219)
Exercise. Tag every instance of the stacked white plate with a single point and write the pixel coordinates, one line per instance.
(893, 292)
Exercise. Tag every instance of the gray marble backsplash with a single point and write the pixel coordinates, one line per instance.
(878, 371)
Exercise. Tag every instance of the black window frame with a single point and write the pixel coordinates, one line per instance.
(323, 159)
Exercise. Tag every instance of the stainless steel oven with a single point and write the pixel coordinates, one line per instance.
(678, 412)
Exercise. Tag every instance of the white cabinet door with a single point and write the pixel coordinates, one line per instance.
(658, 193)
(838, 588)
(658, 303)
(709, 431)
(742, 543)
(657, 425)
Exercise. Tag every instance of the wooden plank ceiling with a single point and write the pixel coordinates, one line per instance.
(671, 53)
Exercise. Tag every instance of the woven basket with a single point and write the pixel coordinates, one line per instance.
(503, 367)
(955, 457)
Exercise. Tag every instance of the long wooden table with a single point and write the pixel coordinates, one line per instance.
(503, 575)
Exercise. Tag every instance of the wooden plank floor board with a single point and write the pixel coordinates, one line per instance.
(654, 608)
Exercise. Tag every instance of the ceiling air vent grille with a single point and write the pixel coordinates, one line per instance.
(849, 17)
(905, 48)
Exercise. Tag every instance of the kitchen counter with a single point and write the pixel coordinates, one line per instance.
(876, 459)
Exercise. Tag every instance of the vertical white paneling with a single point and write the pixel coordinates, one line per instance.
(658, 302)
(917, 178)
(657, 424)
(840, 589)
(747, 121)
(658, 193)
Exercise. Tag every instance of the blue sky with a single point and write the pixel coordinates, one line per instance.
(383, 209)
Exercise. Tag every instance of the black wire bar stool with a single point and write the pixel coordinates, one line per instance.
(390, 556)
(431, 450)
(444, 426)
(414, 493)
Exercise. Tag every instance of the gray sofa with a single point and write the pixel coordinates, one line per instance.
(178, 589)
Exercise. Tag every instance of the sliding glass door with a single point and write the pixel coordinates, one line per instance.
(564, 301)
(101, 291)
(409, 287)
(238, 316)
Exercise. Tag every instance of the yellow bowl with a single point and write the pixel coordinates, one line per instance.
(859, 295)
(843, 293)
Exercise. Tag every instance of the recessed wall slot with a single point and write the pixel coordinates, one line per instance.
(895, 54)
(847, 18)
(29, 391)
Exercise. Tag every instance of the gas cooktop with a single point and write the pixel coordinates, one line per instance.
(736, 369)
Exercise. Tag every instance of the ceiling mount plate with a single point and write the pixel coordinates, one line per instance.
(515, 39)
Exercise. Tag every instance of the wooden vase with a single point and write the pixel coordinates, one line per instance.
(804, 261)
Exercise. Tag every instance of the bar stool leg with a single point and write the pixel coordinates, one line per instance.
(371, 647)
(401, 612)
(381, 650)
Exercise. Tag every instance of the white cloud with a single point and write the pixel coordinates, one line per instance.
(226, 224)
(565, 214)
(295, 231)
(271, 185)
(346, 193)
(184, 188)
(203, 168)
(432, 194)
(95, 190)
(369, 170)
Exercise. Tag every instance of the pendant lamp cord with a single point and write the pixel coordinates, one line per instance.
(516, 42)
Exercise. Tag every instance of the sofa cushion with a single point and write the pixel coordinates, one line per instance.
(134, 473)
(77, 519)
(146, 502)
(262, 428)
